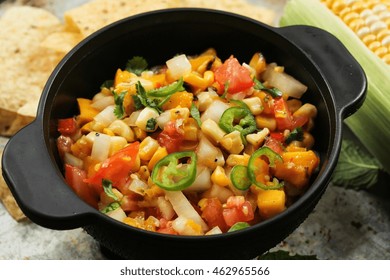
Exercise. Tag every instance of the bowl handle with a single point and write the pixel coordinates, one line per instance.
(36, 183)
(343, 73)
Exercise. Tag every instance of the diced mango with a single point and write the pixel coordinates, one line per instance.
(87, 112)
(271, 202)
(122, 77)
(297, 167)
(182, 99)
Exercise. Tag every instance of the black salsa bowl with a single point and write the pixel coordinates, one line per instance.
(32, 168)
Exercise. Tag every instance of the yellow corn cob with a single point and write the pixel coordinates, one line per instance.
(369, 19)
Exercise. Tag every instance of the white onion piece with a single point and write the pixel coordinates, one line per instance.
(214, 230)
(284, 82)
(103, 102)
(202, 181)
(138, 186)
(73, 160)
(179, 66)
(219, 192)
(163, 119)
(214, 111)
(209, 155)
(101, 147)
(117, 214)
(183, 207)
(106, 117)
(182, 225)
(130, 121)
(165, 208)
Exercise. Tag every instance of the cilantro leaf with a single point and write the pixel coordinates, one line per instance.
(111, 207)
(194, 111)
(137, 65)
(296, 134)
(274, 92)
(238, 226)
(119, 110)
(167, 90)
(107, 187)
(151, 124)
(355, 168)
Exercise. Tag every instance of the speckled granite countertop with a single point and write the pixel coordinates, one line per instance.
(346, 224)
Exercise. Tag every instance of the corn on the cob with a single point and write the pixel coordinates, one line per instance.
(369, 19)
(371, 123)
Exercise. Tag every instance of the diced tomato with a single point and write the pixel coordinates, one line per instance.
(237, 77)
(274, 144)
(284, 118)
(277, 136)
(237, 210)
(75, 177)
(67, 126)
(212, 213)
(283, 115)
(116, 168)
(171, 137)
(166, 227)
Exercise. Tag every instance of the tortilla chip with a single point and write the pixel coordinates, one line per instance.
(62, 42)
(241, 7)
(8, 200)
(94, 15)
(24, 65)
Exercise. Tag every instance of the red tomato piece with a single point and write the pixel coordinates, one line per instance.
(116, 168)
(212, 214)
(67, 126)
(75, 177)
(284, 118)
(237, 210)
(171, 137)
(274, 144)
(237, 77)
(166, 227)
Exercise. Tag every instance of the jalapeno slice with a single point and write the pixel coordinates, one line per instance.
(238, 118)
(175, 171)
(272, 157)
(239, 177)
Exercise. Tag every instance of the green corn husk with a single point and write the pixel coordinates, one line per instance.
(371, 123)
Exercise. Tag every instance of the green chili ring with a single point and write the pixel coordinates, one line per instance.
(170, 174)
(239, 177)
(272, 157)
(244, 118)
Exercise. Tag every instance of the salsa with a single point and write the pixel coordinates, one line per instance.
(196, 146)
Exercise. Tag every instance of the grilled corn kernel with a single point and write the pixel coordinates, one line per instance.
(147, 148)
(212, 130)
(219, 177)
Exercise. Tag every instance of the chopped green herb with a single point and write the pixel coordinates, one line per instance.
(238, 226)
(226, 88)
(137, 65)
(295, 135)
(167, 90)
(274, 92)
(111, 207)
(119, 110)
(137, 102)
(151, 124)
(194, 111)
(107, 187)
